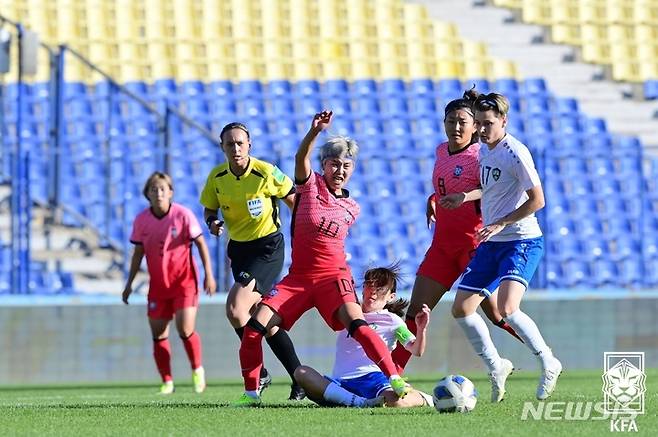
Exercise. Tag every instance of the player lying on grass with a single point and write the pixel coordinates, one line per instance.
(356, 381)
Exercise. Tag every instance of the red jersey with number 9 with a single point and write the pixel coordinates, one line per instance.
(320, 223)
(455, 173)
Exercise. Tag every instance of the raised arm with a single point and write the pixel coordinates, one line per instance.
(321, 121)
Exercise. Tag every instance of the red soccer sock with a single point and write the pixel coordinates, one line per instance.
(251, 357)
(375, 349)
(503, 325)
(193, 348)
(400, 355)
(162, 356)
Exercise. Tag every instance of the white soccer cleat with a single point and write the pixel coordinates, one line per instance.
(548, 379)
(166, 388)
(199, 380)
(498, 378)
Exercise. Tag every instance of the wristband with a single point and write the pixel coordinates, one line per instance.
(210, 220)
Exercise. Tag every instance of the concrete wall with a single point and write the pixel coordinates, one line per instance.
(82, 342)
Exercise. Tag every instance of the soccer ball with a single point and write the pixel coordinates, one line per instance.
(455, 393)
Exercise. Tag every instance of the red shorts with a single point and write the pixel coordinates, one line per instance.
(298, 293)
(445, 264)
(167, 307)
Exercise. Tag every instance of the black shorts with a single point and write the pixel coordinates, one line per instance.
(260, 259)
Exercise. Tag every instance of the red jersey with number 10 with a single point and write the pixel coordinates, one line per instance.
(456, 173)
(319, 227)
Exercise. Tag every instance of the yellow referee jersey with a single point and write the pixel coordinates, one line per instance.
(248, 203)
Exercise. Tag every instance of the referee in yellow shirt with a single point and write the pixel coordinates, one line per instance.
(247, 191)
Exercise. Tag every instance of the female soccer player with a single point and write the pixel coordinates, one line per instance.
(456, 183)
(164, 233)
(247, 190)
(511, 245)
(356, 381)
(319, 275)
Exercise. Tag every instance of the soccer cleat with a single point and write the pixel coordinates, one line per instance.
(429, 400)
(296, 393)
(498, 378)
(400, 387)
(264, 382)
(166, 388)
(246, 401)
(548, 379)
(199, 380)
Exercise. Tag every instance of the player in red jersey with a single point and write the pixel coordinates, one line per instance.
(456, 180)
(164, 233)
(319, 275)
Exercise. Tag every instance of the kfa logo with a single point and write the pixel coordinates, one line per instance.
(174, 232)
(624, 386)
(458, 171)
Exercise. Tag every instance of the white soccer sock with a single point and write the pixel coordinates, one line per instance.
(478, 334)
(528, 331)
(337, 394)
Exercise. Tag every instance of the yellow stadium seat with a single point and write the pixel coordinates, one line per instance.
(306, 69)
(592, 13)
(161, 69)
(40, 20)
(618, 33)
(126, 21)
(446, 69)
(444, 32)
(647, 52)
(98, 21)
(473, 50)
(68, 22)
(622, 51)
(361, 70)
(333, 69)
(594, 33)
(390, 68)
(476, 69)
(565, 34)
(646, 32)
(419, 68)
(595, 51)
(560, 13)
(649, 70)
(218, 69)
(626, 71)
(618, 13)
(449, 50)
(502, 69)
(536, 13)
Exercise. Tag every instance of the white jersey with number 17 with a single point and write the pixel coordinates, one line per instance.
(506, 172)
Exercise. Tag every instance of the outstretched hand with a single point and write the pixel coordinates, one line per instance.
(322, 120)
(423, 317)
(452, 200)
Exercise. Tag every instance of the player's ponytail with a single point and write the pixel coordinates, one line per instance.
(398, 306)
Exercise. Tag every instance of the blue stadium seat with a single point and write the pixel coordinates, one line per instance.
(220, 88)
(278, 88)
(605, 273)
(281, 106)
(576, 274)
(249, 88)
(565, 106)
(449, 89)
(421, 87)
(481, 85)
(335, 87)
(340, 105)
(534, 86)
(394, 106)
(366, 105)
(422, 106)
(392, 87)
(363, 88)
(307, 88)
(507, 87)
(594, 126)
(651, 89)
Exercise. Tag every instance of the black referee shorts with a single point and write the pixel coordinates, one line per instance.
(260, 259)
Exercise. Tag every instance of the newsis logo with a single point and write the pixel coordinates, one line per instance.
(624, 387)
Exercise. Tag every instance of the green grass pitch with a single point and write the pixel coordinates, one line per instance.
(132, 409)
